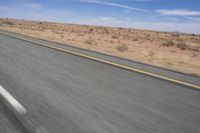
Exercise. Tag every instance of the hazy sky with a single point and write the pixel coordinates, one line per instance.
(164, 15)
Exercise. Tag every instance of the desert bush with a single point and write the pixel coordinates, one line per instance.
(194, 48)
(181, 45)
(122, 47)
(80, 34)
(134, 39)
(7, 22)
(176, 34)
(91, 29)
(168, 43)
(50, 37)
(115, 36)
(111, 41)
(195, 54)
(151, 53)
(105, 31)
(169, 63)
(90, 41)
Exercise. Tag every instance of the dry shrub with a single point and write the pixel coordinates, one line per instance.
(176, 34)
(7, 22)
(195, 54)
(111, 41)
(195, 48)
(50, 37)
(151, 53)
(80, 34)
(181, 45)
(106, 31)
(134, 39)
(115, 36)
(169, 63)
(168, 43)
(90, 41)
(91, 29)
(122, 47)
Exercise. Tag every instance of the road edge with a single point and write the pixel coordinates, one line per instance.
(104, 54)
(161, 77)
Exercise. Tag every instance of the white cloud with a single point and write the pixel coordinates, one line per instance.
(170, 26)
(130, 23)
(115, 5)
(20, 11)
(107, 21)
(106, 18)
(178, 12)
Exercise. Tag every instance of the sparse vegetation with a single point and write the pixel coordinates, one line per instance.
(91, 29)
(168, 43)
(176, 34)
(122, 47)
(196, 49)
(7, 22)
(90, 41)
(115, 37)
(181, 45)
(151, 53)
(140, 45)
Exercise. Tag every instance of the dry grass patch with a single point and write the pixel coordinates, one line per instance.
(181, 45)
(168, 43)
(7, 22)
(122, 48)
(90, 41)
(151, 53)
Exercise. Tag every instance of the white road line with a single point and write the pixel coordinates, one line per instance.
(12, 101)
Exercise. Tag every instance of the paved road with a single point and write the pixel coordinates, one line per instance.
(66, 93)
(176, 75)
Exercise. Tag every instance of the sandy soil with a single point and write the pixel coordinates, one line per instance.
(177, 51)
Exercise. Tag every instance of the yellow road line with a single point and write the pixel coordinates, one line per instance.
(111, 63)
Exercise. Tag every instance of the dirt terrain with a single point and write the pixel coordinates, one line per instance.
(177, 51)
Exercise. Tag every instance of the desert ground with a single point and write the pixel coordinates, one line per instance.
(172, 50)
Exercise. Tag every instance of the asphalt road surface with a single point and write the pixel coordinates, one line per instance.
(69, 94)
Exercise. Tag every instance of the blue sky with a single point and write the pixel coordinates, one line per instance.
(164, 15)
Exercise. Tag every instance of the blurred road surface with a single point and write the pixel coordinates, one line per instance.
(67, 93)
